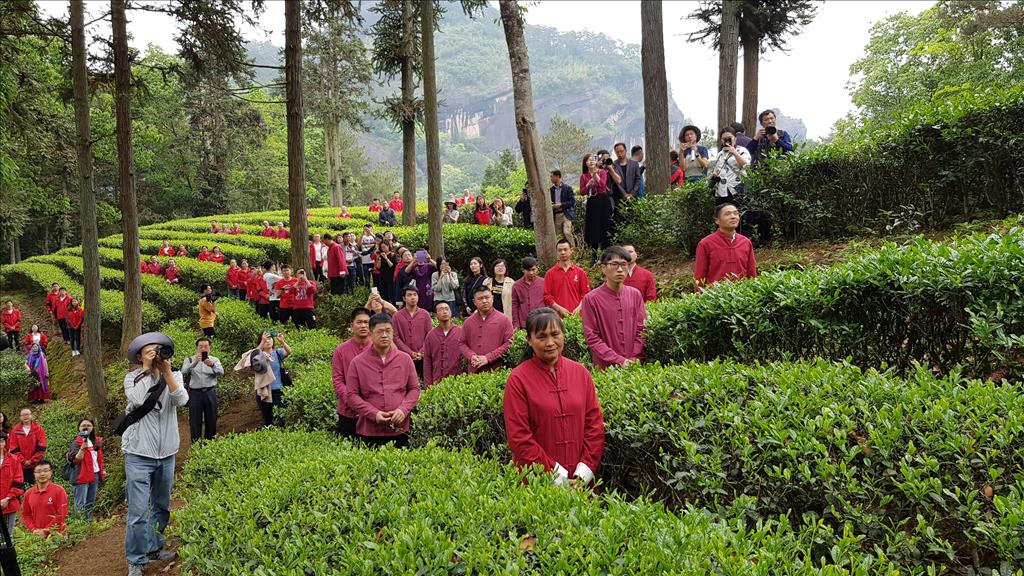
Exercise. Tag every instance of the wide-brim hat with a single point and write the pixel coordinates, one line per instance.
(452, 202)
(689, 127)
(140, 342)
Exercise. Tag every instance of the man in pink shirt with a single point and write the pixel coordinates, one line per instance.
(639, 277)
(343, 356)
(565, 283)
(441, 354)
(486, 335)
(382, 388)
(527, 293)
(412, 324)
(613, 315)
(724, 254)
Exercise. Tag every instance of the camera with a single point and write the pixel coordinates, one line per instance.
(165, 352)
(726, 142)
(273, 333)
(714, 181)
(84, 433)
(769, 130)
(607, 162)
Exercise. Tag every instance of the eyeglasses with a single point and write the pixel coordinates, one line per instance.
(617, 265)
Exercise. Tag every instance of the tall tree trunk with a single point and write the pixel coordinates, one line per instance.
(728, 54)
(17, 249)
(296, 145)
(409, 119)
(46, 236)
(526, 130)
(652, 54)
(87, 206)
(435, 241)
(131, 325)
(14, 254)
(751, 63)
(339, 173)
(329, 157)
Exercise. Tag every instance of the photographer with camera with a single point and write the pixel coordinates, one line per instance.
(149, 440)
(595, 184)
(208, 310)
(729, 168)
(523, 207)
(769, 140)
(693, 158)
(202, 371)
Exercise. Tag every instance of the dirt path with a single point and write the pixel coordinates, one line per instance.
(103, 554)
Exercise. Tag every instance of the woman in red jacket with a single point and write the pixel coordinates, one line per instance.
(36, 336)
(302, 306)
(482, 214)
(232, 278)
(11, 320)
(204, 254)
(11, 481)
(86, 456)
(172, 275)
(217, 255)
(181, 252)
(75, 317)
(165, 250)
(60, 311)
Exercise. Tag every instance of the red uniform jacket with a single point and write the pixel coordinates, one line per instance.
(303, 294)
(168, 251)
(720, 259)
(60, 307)
(553, 419)
(442, 356)
(182, 252)
(75, 317)
(286, 294)
(282, 233)
(11, 319)
(336, 265)
(252, 291)
(232, 277)
(204, 256)
(375, 386)
(643, 280)
(172, 273)
(156, 269)
(411, 331)
(566, 287)
(217, 257)
(86, 475)
(343, 356)
(47, 509)
(396, 205)
(51, 300)
(267, 232)
(43, 343)
(613, 325)
(526, 299)
(489, 337)
(374, 207)
(30, 447)
(12, 478)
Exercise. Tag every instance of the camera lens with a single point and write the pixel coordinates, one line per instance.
(769, 130)
(166, 352)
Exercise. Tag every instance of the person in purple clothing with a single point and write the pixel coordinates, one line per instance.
(421, 269)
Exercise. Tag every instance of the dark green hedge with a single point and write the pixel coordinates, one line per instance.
(902, 465)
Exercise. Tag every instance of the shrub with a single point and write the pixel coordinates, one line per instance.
(311, 403)
(575, 344)
(334, 312)
(938, 304)
(395, 511)
(231, 249)
(904, 464)
(677, 219)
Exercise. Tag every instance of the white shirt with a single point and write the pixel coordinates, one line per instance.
(368, 243)
(730, 172)
(270, 278)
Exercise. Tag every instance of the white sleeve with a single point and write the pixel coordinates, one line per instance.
(583, 472)
(560, 474)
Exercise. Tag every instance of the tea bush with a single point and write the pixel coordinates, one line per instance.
(231, 249)
(937, 304)
(905, 464)
(311, 403)
(400, 512)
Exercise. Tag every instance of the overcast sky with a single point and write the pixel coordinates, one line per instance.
(808, 82)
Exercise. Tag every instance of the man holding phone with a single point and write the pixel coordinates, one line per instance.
(200, 373)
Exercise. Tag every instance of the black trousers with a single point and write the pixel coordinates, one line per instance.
(400, 441)
(263, 310)
(346, 426)
(63, 328)
(267, 409)
(15, 339)
(75, 338)
(209, 332)
(337, 285)
(202, 409)
(318, 271)
(762, 221)
(303, 318)
(272, 311)
(8, 557)
(284, 315)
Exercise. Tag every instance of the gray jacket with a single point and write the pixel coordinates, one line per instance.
(203, 376)
(156, 435)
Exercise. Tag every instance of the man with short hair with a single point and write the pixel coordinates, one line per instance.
(202, 371)
(563, 204)
(352, 260)
(46, 504)
(343, 356)
(149, 446)
(28, 441)
(639, 277)
(375, 206)
(625, 174)
(411, 326)
(270, 279)
(285, 288)
(637, 153)
(396, 203)
(441, 353)
(268, 230)
(382, 388)
(740, 131)
(613, 314)
(724, 254)
(527, 293)
(486, 335)
(523, 207)
(337, 268)
(565, 284)
(770, 140)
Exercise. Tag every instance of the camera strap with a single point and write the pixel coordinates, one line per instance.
(126, 419)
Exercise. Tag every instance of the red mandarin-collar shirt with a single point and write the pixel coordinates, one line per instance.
(490, 337)
(411, 331)
(642, 279)
(441, 354)
(553, 419)
(525, 299)
(613, 325)
(567, 287)
(718, 258)
(381, 385)
(282, 233)
(343, 356)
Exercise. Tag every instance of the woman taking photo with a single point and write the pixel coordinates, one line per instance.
(269, 383)
(501, 288)
(35, 365)
(86, 457)
(377, 304)
(501, 215)
(75, 318)
(476, 278)
(552, 416)
(693, 157)
(600, 206)
(446, 285)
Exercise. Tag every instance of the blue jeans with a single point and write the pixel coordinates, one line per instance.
(148, 484)
(85, 497)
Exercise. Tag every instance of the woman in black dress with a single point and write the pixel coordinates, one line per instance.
(600, 206)
(475, 279)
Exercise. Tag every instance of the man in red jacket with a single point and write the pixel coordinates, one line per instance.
(11, 320)
(11, 483)
(28, 441)
(281, 232)
(343, 356)
(396, 203)
(46, 504)
(639, 277)
(285, 288)
(337, 268)
(60, 311)
(268, 230)
(303, 295)
(724, 254)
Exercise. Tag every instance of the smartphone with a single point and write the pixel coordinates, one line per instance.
(374, 290)
(421, 256)
(273, 333)
(206, 355)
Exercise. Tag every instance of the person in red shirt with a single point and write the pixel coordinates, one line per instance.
(236, 229)
(565, 284)
(154, 267)
(467, 198)
(552, 415)
(375, 206)
(396, 203)
(482, 213)
(231, 276)
(344, 213)
(527, 293)
(60, 311)
(28, 441)
(337, 268)
(217, 256)
(286, 294)
(204, 254)
(75, 317)
(382, 388)
(486, 335)
(172, 274)
(252, 295)
(36, 336)
(12, 483)
(268, 230)
(214, 227)
(411, 326)
(181, 252)
(442, 356)
(639, 277)
(46, 504)
(143, 265)
(86, 458)
(613, 314)
(11, 320)
(165, 250)
(242, 279)
(724, 254)
(343, 356)
(303, 295)
(51, 299)
(281, 232)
